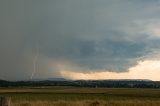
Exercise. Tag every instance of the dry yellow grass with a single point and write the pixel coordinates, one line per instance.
(89, 103)
(74, 96)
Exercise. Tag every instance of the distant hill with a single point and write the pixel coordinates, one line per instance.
(121, 83)
(127, 80)
(63, 79)
(49, 79)
(3, 81)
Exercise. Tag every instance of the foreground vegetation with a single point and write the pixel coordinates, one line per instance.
(76, 96)
(90, 103)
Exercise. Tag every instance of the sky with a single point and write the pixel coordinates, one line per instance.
(79, 39)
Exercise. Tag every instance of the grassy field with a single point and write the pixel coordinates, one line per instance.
(74, 96)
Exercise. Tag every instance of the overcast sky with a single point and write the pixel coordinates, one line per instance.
(78, 37)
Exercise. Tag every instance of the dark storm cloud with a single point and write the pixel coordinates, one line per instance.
(92, 34)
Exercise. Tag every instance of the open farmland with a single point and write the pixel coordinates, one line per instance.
(81, 96)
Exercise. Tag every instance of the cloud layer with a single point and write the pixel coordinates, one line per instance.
(81, 35)
(143, 70)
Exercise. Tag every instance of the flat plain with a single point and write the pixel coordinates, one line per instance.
(81, 96)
